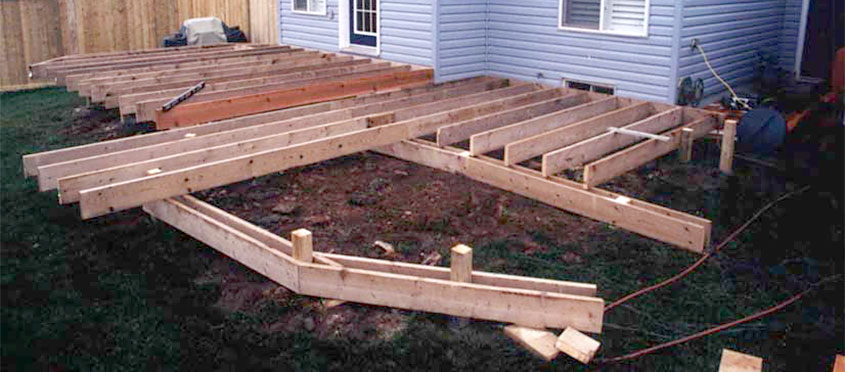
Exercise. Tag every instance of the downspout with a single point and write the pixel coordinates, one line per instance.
(486, 36)
(674, 63)
(435, 40)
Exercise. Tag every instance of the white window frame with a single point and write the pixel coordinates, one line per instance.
(373, 13)
(308, 11)
(600, 31)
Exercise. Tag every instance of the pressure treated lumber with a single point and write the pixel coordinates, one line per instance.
(527, 148)
(361, 105)
(688, 232)
(132, 163)
(685, 151)
(128, 194)
(633, 157)
(535, 308)
(539, 341)
(461, 264)
(302, 245)
(582, 152)
(204, 112)
(497, 138)
(733, 361)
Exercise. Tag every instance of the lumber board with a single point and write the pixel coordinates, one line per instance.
(393, 267)
(131, 62)
(461, 131)
(577, 345)
(271, 81)
(539, 341)
(73, 81)
(733, 361)
(610, 167)
(60, 74)
(362, 105)
(69, 186)
(839, 364)
(128, 194)
(530, 147)
(146, 109)
(98, 89)
(690, 233)
(196, 113)
(497, 138)
(535, 308)
(582, 152)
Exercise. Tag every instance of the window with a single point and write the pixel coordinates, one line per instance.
(366, 17)
(590, 87)
(625, 17)
(309, 6)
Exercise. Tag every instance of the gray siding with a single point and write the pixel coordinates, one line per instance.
(306, 30)
(525, 42)
(733, 34)
(461, 39)
(789, 34)
(406, 29)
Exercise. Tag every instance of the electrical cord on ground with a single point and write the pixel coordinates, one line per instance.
(707, 255)
(719, 328)
(725, 83)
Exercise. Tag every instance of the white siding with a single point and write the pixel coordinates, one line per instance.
(461, 39)
(789, 34)
(312, 31)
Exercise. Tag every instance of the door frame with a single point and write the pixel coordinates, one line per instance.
(343, 27)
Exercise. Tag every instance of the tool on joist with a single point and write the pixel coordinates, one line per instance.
(182, 97)
(637, 133)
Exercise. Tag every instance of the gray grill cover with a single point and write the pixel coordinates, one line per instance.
(204, 31)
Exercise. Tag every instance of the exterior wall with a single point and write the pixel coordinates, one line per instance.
(789, 34)
(405, 30)
(733, 35)
(461, 39)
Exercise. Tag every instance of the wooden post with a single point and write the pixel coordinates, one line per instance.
(461, 264)
(687, 139)
(577, 345)
(728, 139)
(302, 245)
(733, 361)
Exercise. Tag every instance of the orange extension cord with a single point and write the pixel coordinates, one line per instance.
(695, 266)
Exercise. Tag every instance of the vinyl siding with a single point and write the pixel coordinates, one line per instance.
(405, 30)
(461, 39)
(733, 34)
(525, 42)
(789, 34)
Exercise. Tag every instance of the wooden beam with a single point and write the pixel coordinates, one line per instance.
(733, 361)
(685, 151)
(539, 341)
(204, 112)
(497, 138)
(462, 131)
(839, 364)
(655, 222)
(128, 194)
(582, 152)
(726, 159)
(534, 308)
(540, 144)
(633, 157)
(404, 97)
(461, 264)
(393, 267)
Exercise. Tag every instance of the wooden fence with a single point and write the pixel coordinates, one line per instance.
(37, 30)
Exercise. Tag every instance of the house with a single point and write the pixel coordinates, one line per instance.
(633, 48)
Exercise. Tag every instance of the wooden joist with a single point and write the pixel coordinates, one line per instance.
(530, 307)
(357, 106)
(633, 157)
(192, 114)
(582, 152)
(659, 223)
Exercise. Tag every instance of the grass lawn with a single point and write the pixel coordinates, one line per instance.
(124, 292)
